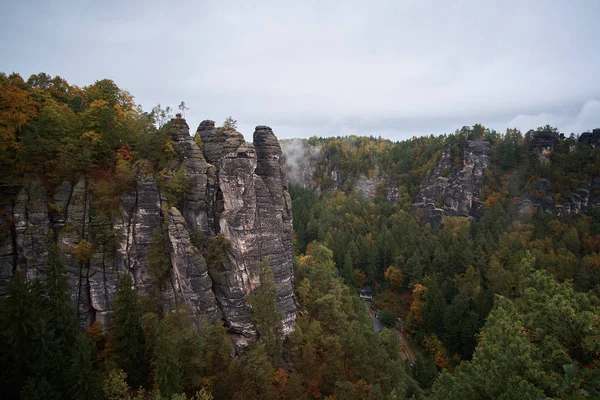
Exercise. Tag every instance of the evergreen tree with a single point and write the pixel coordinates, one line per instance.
(348, 269)
(21, 314)
(128, 334)
(84, 379)
(61, 325)
(188, 347)
(167, 372)
(266, 316)
(255, 371)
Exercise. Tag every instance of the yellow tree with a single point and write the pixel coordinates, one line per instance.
(16, 109)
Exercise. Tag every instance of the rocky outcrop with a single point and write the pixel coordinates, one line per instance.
(544, 139)
(539, 194)
(591, 138)
(453, 186)
(236, 189)
(253, 210)
(190, 273)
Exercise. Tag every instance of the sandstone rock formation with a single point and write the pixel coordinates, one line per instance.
(591, 138)
(236, 189)
(451, 190)
(541, 196)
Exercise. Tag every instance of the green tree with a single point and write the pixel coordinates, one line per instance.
(167, 371)
(128, 333)
(84, 379)
(188, 347)
(256, 370)
(230, 124)
(21, 314)
(159, 263)
(115, 385)
(265, 314)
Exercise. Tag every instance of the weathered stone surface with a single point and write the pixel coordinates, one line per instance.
(8, 253)
(192, 160)
(190, 276)
(543, 185)
(73, 229)
(592, 138)
(270, 167)
(545, 139)
(544, 199)
(447, 191)
(30, 215)
(256, 217)
(242, 194)
(217, 142)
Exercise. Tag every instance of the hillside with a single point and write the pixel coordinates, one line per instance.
(452, 230)
(139, 261)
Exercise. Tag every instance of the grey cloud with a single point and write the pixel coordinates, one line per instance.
(386, 68)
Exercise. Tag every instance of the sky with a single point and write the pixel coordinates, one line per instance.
(389, 68)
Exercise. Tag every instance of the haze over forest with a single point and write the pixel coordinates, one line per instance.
(325, 68)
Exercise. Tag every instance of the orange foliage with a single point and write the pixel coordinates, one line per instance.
(82, 251)
(279, 380)
(99, 339)
(435, 347)
(313, 389)
(95, 332)
(362, 389)
(359, 277)
(126, 152)
(16, 109)
(394, 277)
(592, 262)
(492, 199)
(308, 247)
(414, 317)
(591, 243)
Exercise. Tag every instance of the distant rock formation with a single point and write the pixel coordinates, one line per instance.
(237, 189)
(592, 138)
(451, 190)
(546, 139)
(542, 197)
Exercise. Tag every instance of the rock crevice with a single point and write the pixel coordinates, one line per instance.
(237, 189)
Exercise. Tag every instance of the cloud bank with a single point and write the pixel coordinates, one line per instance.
(388, 68)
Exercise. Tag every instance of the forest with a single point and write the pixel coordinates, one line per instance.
(501, 306)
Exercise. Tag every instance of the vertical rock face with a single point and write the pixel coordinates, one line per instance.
(542, 197)
(252, 208)
(448, 190)
(236, 189)
(190, 274)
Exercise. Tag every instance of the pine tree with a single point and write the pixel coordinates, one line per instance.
(348, 269)
(128, 333)
(20, 316)
(61, 323)
(266, 316)
(167, 372)
(84, 379)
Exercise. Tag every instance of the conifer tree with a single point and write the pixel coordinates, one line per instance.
(84, 379)
(20, 316)
(266, 316)
(61, 323)
(128, 333)
(167, 372)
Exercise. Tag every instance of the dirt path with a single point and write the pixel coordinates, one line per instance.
(406, 351)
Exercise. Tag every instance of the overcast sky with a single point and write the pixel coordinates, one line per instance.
(391, 68)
